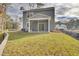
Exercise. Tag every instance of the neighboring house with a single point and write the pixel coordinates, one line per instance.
(61, 27)
(73, 24)
(39, 20)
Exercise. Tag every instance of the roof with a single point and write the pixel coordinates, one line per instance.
(39, 16)
(39, 9)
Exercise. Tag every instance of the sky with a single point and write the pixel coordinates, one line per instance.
(65, 9)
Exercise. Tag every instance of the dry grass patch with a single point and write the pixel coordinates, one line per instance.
(22, 43)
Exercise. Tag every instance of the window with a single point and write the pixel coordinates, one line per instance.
(41, 27)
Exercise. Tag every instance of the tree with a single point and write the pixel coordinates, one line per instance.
(15, 25)
(8, 22)
(8, 25)
(4, 15)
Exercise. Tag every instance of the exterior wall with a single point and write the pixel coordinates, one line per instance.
(25, 20)
(34, 25)
(49, 12)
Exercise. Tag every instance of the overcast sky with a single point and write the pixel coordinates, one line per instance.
(60, 9)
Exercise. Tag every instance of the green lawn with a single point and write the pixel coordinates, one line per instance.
(22, 43)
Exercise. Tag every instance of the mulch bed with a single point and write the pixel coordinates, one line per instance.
(71, 33)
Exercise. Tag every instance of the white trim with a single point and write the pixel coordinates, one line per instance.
(39, 18)
(35, 16)
(38, 23)
(49, 25)
(29, 26)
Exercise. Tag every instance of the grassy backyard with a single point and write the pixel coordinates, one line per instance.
(21, 43)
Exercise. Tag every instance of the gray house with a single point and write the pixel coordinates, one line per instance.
(39, 20)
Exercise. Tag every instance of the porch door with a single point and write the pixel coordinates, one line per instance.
(41, 27)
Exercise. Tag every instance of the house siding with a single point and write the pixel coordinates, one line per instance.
(25, 20)
(49, 12)
(34, 24)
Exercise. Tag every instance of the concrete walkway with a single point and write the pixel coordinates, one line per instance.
(2, 45)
